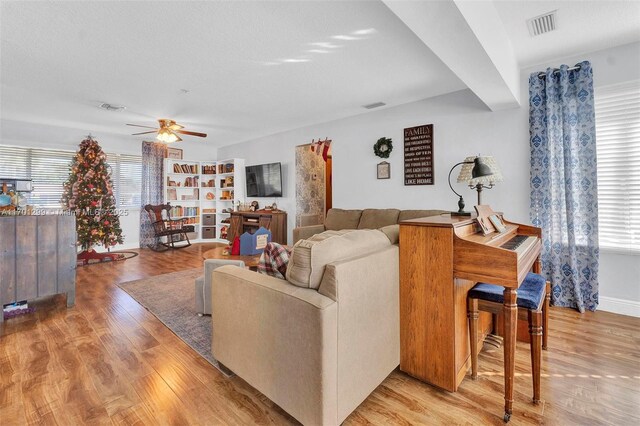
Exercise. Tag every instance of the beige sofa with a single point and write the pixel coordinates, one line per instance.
(338, 219)
(318, 343)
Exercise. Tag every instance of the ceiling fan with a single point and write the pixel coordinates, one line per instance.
(167, 132)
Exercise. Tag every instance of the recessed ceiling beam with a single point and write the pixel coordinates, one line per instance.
(468, 36)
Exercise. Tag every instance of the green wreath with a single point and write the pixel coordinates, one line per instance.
(383, 147)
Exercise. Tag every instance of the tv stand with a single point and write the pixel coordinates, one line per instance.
(278, 226)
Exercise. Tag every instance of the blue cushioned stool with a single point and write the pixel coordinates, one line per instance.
(533, 302)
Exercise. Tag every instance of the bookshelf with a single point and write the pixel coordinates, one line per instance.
(204, 193)
(230, 189)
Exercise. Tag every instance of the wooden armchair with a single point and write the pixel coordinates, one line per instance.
(164, 227)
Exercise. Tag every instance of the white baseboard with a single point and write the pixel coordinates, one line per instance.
(619, 306)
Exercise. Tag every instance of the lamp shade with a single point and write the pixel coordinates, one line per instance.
(167, 136)
(487, 171)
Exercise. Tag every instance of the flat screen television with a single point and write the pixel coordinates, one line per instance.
(264, 180)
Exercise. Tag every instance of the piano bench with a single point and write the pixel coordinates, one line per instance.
(533, 299)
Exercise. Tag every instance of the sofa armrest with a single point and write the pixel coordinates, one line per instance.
(304, 232)
(280, 338)
(366, 290)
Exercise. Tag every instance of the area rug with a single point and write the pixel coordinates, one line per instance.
(171, 298)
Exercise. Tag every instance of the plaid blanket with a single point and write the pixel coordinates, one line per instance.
(274, 260)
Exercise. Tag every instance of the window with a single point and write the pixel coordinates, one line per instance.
(49, 169)
(126, 175)
(618, 146)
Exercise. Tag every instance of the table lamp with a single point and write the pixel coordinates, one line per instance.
(479, 173)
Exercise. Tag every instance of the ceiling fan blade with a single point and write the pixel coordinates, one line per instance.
(143, 133)
(137, 125)
(186, 132)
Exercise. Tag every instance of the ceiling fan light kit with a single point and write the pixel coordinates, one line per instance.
(167, 136)
(167, 131)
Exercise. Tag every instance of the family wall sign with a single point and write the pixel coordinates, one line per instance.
(418, 155)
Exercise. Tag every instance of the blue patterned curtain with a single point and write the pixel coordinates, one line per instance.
(564, 189)
(152, 187)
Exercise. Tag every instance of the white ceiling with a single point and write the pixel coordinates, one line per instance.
(251, 68)
(59, 60)
(582, 26)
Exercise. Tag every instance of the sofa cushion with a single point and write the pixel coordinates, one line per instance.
(377, 218)
(392, 232)
(415, 214)
(338, 219)
(310, 257)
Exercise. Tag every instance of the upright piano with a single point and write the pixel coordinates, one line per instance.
(441, 259)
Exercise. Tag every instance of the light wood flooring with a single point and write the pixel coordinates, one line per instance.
(109, 361)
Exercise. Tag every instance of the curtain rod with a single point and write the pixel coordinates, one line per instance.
(557, 70)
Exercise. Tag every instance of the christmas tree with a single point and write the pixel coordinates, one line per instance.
(88, 193)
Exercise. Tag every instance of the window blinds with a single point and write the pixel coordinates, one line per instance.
(126, 175)
(14, 162)
(617, 109)
(49, 169)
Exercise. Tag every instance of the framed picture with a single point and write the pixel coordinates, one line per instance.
(174, 153)
(384, 170)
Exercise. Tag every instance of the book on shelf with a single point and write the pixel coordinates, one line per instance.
(211, 183)
(172, 194)
(209, 169)
(185, 168)
(225, 168)
(191, 197)
(192, 181)
(180, 211)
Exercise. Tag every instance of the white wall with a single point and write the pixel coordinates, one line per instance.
(462, 127)
(54, 137)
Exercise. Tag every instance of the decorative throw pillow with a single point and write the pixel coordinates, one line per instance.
(274, 260)
(310, 257)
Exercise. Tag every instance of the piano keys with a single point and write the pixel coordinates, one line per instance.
(517, 241)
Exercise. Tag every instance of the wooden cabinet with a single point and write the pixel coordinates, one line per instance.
(37, 257)
(278, 227)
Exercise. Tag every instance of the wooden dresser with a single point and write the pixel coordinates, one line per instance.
(37, 257)
(278, 225)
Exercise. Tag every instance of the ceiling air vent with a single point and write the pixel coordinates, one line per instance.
(374, 105)
(542, 24)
